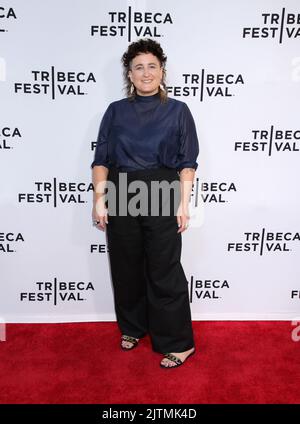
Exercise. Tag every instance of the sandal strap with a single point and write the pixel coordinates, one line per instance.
(173, 358)
(129, 339)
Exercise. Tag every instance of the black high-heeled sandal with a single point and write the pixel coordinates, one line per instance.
(177, 361)
(129, 339)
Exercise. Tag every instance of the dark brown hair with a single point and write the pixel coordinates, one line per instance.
(143, 46)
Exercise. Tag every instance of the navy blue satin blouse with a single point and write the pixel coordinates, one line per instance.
(145, 133)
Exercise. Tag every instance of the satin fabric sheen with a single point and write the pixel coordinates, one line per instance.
(145, 133)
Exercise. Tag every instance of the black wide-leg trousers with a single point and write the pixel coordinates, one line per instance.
(150, 286)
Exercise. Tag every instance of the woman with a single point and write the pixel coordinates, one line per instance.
(147, 137)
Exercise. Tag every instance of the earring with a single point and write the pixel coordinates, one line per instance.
(162, 87)
(131, 88)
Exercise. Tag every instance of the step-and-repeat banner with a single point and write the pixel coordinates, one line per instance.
(236, 65)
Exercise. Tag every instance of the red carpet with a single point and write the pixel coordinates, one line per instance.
(235, 362)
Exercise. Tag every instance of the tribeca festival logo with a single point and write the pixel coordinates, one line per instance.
(264, 242)
(295, 294)
(278, 26)
(207, 289)
(9, 137)
(10, 241)
(7, 14)
(55, 83)
(58, 291)
(57, 193)
(205, 85)
(98, 248)
(212, 192)
(270, 141)
(133, 24)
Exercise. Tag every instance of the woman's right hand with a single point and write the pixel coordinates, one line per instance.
(100, 214)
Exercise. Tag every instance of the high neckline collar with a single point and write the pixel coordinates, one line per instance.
(147, 98)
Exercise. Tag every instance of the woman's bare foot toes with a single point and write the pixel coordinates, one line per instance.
(168, 362)
(128, 342)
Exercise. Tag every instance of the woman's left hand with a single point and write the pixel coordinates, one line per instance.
(183, 217)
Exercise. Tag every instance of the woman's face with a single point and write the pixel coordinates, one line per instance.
(146, 74)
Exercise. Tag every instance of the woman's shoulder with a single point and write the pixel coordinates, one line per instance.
(113, 104)
(177, 102)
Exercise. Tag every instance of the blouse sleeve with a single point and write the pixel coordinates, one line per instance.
(101, 152)
(189, 145)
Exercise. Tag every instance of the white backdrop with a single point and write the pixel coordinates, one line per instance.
(238, 69)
